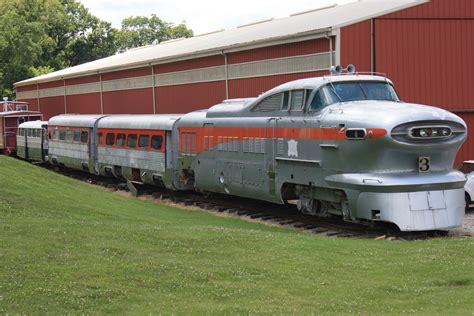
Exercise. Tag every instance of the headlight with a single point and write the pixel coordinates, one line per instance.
(430, 132)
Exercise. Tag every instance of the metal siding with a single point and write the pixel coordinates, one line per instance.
(52, 84)
(84, 103)
(123, 74)
(137, 101)
(142, 159)
(356, 45)
(278, 51)
(82, 80)
(51, 106)
(252, 87)
(70, 150)
(428, 60)
(189, 97)
(437, 9)
(211, 61)
(26, 88)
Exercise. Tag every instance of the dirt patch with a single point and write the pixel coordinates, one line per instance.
(468, 228)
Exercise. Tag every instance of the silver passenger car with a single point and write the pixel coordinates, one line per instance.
(32, 140)
(72, 141)
(135, 147)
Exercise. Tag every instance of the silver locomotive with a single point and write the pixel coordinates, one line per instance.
(342, 144)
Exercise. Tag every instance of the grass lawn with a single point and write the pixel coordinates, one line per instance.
(69, 247)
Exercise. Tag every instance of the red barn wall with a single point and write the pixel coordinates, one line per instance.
(136, 101)
(83, 93)
(88, 103)
(189, 97)
(356, 46)
(252, 87)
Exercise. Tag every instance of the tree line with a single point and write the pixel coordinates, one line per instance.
(41, 36)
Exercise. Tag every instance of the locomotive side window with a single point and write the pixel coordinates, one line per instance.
(100, 140)
(77, 136)
(56, 134)
(156, 142)
(297, 100)
(318, 101)
(132, 141)
(85, 137)
(286, 101)
(143, 141)
(62, 135)
(269, 104)
(120, 140)
(110, 139)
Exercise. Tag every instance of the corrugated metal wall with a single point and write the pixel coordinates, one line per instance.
(252, 87)
(430, 61)
(185, 85)
(189, 97)
(356, 45)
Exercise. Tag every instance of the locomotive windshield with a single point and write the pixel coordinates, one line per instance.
(353, 91)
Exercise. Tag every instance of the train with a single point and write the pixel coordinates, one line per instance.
(343, 144)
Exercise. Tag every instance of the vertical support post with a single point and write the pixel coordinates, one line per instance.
(226, 76)
(101, 96)
(65, 97)
(153, 87)
(338, 46)
(372, 45)
(38, 97)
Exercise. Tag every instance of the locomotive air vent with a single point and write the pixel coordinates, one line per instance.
(428, 132)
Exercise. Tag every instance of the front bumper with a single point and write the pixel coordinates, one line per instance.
(412, 201)
(415, 211)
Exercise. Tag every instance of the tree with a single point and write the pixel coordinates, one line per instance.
(41, 36)
(141, 30)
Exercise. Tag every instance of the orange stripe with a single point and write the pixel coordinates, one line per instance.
(219, 133)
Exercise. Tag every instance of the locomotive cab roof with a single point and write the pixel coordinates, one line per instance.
(245, 106)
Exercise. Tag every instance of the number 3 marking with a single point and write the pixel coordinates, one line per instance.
(424, 164)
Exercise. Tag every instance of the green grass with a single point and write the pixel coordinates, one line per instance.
(69, 247)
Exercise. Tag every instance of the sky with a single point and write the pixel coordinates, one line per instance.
(204, 15)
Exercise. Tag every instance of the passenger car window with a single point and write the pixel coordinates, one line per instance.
(77, 136)
(269, 104)
(143, 141)
(100, 140)
(120, 140)
(62, 135)
(110, 139)
(132, 141)
(156, 142)
(69, 136)
(56, 134)
(85, 137)
(297, 100)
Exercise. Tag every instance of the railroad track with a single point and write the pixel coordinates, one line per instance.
(255, 210)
